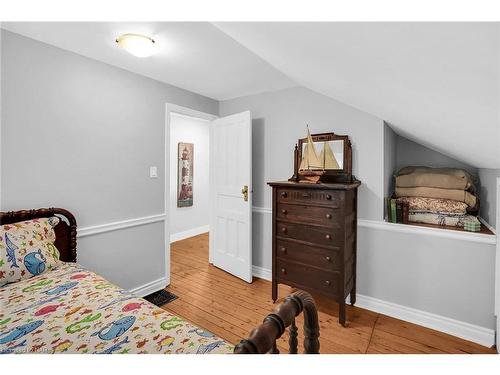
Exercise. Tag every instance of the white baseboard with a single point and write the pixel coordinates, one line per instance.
(189, 233)
(466, 331)
(149, 288)
(262, 273)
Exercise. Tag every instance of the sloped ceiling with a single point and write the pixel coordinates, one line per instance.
(434, 83)
(195, 56)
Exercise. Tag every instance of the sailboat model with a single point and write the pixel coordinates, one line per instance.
(310, 160)
(311, 166)
(328, 158)
(327, 166)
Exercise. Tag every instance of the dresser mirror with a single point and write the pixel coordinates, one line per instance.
(324, 157)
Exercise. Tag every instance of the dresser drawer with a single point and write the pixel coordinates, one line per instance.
(312, 234)
(329, 260)
(313, 278)
(329, 198)
(328, 216)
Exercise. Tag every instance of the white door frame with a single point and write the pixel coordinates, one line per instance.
(185, 111)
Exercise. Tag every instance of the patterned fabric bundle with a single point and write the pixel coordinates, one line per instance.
(440, 196)
(422, 204)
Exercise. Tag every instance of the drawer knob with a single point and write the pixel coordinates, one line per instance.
(328, 216)
(327, 282)
(328, 259)
(328, 237)
(283, 250)
(305, 195)
(284, 194)
(283, 230)
(284, 212)
(328, 197)
(283, 271)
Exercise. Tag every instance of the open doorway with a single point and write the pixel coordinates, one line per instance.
(189, 178)
(186, 217)
(208, 189)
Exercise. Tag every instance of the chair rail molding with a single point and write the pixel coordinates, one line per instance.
(118, 225)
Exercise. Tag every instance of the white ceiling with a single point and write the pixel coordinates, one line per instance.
(435, 83)
(194, 56)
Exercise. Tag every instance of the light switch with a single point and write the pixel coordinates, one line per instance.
(153, 172)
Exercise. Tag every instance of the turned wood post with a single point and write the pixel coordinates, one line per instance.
(263, 338)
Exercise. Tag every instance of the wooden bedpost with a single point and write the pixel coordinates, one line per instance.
(263, 338)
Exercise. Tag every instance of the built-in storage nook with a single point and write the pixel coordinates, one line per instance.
(426, 188)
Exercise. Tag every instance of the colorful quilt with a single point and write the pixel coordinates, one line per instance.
(73, 310)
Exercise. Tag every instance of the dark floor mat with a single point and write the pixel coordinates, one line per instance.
(160, 297)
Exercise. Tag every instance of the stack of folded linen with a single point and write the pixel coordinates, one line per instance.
(442, 196)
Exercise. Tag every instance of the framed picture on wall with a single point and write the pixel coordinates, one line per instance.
(185, 175)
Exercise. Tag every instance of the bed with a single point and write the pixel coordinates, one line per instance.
(70, 309)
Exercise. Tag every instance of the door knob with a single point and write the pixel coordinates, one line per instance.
(244, 191)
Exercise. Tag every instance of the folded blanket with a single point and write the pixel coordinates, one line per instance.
(445, 178)
(434, 205)
(455, 220)
(429, 192)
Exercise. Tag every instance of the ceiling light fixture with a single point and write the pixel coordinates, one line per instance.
(137, 45)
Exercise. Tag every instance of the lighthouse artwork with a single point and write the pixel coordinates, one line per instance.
(185, 175)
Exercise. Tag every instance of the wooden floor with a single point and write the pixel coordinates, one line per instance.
(231, 308)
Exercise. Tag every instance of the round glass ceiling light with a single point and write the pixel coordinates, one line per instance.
(137, 45)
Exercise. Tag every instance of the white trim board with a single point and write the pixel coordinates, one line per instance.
(466, 331)
(150, 287)
(487, 225)
(189, 233)
(262, 273)
(117, 225)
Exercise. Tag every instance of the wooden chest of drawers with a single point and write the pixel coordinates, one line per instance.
(314, 239)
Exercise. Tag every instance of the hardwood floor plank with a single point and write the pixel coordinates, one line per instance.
(230, 308)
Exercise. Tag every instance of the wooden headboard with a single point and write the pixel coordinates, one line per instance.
(65, 230)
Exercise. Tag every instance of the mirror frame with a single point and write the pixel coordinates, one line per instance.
(330, 175)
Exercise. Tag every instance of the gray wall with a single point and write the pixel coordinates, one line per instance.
(81, 134)
(444, 276)
(412, 153)
(279, 118)
(488, 194)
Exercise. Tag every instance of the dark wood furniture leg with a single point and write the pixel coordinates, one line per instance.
(355, 254)
(274, 290)
(342, 312)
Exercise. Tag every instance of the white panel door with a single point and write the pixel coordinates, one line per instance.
(231, 213)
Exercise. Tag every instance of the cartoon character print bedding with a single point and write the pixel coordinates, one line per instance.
(73, 310)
